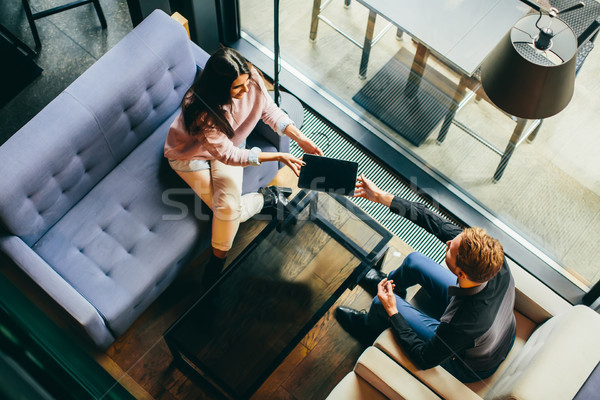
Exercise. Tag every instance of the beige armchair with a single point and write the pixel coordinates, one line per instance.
(555, 351)
(377, 377)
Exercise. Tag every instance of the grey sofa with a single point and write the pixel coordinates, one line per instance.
(84, 209)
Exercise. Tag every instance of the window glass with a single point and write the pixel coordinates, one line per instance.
(549, 191)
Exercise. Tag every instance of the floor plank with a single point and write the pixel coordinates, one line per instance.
(273, 384)
(316, 368)
(281, 394)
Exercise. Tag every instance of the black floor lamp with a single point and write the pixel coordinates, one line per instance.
(285, 101)
(531, 72)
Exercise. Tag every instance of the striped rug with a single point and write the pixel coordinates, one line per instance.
(335, 145)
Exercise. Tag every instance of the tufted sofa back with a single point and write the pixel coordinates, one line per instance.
(87, 130)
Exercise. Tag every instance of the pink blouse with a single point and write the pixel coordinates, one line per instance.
(242, 114)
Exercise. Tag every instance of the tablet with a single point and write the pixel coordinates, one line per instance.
(328, 175)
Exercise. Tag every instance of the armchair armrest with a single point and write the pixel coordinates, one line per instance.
(556, 360)
(390, 378)
(63, 293)
(437, 379)
(534, 299)
(376, 376)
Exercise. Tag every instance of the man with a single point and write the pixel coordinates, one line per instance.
(474, 296)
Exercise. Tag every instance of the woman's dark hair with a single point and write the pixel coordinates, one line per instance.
(203, 103)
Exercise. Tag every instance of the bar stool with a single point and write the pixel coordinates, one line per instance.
(31, 17)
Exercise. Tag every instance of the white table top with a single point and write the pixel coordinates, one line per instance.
(460, 32)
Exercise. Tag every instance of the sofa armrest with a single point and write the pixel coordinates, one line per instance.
(282, 143)
(437, 379)
(63, 293)
(183, 21)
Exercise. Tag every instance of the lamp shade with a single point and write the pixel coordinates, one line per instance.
(525, 81)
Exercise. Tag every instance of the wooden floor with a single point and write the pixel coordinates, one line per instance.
(141, 361)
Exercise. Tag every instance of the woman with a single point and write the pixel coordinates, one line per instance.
(205, 144)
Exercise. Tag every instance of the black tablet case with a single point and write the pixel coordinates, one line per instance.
(328, 175)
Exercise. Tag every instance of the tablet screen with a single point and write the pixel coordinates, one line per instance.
(328, 175)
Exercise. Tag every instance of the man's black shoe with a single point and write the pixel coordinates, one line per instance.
(370, 281)
(354, 322)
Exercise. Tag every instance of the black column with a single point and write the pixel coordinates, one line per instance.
(212, 22)
(592, 295)
(202, 16)
(140, 9)
(229, 20)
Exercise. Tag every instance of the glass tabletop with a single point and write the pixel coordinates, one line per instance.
(275, 291)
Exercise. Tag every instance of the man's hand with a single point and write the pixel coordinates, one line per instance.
(385, 294)
(365, 188)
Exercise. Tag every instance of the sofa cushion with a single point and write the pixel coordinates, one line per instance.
(48, 166)
(90, 127)
(117, 247)
(556, 360)
(136, 85)
(534, 299)
(377, 376)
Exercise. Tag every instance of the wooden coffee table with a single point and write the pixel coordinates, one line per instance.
(271, 295)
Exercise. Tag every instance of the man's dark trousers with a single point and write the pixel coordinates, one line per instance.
(433, 278)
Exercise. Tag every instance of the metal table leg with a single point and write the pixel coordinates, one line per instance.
(100, 13)
(510, 148)
(31, 17)
(399, 34)
(458, 96)
(416, 70)
(31, 20)
(366, 50)
(314, 22)
(533, 134)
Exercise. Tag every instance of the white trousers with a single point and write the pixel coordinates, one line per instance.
(220, 187)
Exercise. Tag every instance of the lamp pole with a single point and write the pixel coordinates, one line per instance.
(285, 101)
(276, 54)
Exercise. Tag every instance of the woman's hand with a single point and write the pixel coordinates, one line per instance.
(365, 188)
(385, 294)
(305, 143)
(308, 146)
(294, 163)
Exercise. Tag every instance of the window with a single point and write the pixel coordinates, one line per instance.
(549, 194)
